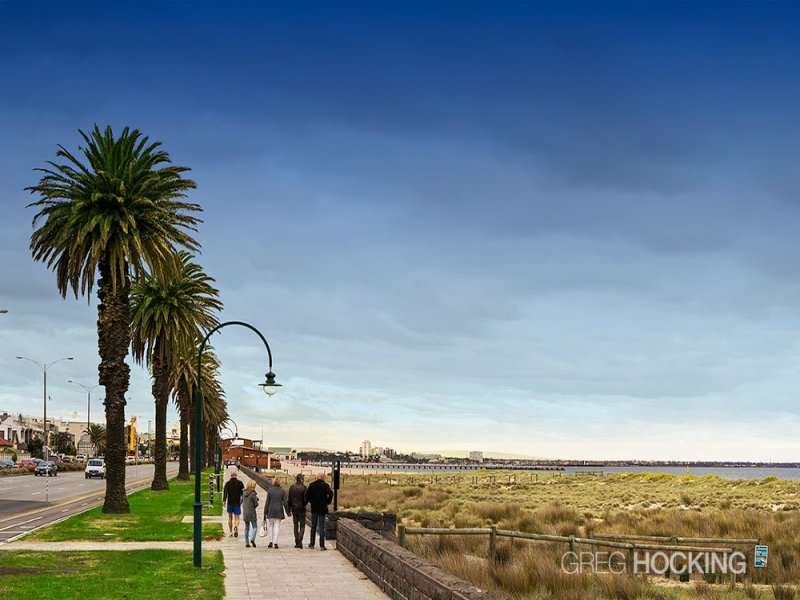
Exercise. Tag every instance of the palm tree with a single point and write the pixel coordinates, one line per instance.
(184, 385)
(119, 213)
(167, 316)
(97, 436)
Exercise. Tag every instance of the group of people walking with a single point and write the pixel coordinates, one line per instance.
(242, 501)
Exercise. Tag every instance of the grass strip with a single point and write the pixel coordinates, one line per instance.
(111, 574)
(154, 516)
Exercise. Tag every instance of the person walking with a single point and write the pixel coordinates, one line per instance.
(297, 502)
(277, 502)
(319, 495)
(249, 514)
(232, 500)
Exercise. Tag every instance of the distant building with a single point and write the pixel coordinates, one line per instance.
(428, 457)
(389, 452)
(283, 452)
(366, 449)
(476, 456)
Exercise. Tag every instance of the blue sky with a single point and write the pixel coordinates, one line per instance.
(554, 229)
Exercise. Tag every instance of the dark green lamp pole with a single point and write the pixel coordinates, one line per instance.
(270, 387)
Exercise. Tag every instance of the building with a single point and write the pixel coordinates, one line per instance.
(282, 452)
(426, 457)
(366, 449)
(476, 456)
(389, 452)
(243, 451)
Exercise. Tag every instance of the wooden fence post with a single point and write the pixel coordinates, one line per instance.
(493, 543)
(401, 536)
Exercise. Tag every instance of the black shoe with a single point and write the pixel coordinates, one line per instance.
(322, 548)
(270, 545)
(235, 531)
(253, 543)
(247, 545)
(311, 546)
(276, 546)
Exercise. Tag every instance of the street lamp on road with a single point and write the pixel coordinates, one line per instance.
(270, 387)
(88, 399)
(44, 368)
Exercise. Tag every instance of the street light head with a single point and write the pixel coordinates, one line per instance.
(270, 387)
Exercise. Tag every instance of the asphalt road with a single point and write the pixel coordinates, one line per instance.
(27, 502)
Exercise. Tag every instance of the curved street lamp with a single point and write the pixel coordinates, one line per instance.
(270, 387)
(44, 367)
(88, 399)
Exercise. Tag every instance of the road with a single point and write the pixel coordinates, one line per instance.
(28, 502)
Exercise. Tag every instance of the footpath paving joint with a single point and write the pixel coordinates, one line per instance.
(288, 573)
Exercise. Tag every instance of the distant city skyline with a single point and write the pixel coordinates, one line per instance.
(559, 229)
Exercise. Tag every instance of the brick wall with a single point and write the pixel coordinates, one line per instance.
(400, 573)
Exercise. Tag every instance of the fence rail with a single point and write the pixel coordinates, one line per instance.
(673, 539)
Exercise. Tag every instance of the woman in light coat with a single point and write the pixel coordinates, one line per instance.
(277, 503)
(249, 514)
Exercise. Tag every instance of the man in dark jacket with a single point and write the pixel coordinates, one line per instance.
(319, 495)
(297, 502)
(232, 497)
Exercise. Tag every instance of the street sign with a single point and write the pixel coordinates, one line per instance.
(761, 556)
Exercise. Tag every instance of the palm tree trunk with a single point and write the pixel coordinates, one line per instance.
(183, 457)
(161, 395)
(113, 339)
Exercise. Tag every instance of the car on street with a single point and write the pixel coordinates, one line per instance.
(28, 462)
(96, 467)
(46, 468)
(129, 460)
(7, 464)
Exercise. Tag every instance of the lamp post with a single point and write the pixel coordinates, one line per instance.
(270, 387)
(44, 368)
(88, 399)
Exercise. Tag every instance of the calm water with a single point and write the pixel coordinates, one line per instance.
(725, 472)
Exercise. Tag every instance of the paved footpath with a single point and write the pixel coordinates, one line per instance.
(289, 573)
(259, 573)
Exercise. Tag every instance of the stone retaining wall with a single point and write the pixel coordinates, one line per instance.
(400, 573)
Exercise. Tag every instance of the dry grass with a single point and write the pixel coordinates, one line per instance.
(650, 504)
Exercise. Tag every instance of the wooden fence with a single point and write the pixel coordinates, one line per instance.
(629, 543)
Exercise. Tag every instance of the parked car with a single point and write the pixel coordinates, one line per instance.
(130, 460)
(96, 467)
(47, 468)
(7, 464)
(81, 458)
(28, 462)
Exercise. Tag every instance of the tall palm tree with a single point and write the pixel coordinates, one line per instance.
(184, 385)
(167, 316)
(117, 211)
(97, 436)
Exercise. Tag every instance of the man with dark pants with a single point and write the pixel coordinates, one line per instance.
(297, 502)
(319, 495)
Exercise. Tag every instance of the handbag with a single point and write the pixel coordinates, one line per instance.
(263, 532)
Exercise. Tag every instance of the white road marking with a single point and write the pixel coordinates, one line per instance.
(34, 493)
(22, 523)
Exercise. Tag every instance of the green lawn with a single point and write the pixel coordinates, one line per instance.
(154, 516)
(111, 574)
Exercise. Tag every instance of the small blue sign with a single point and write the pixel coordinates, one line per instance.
(761, 556)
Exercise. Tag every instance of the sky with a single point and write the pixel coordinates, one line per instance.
(552, 229)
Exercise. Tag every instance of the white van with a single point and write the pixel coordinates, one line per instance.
(96, 467)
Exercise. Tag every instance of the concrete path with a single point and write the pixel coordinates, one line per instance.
(289, 573)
